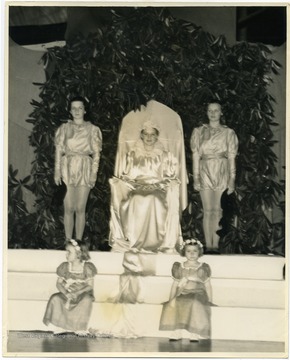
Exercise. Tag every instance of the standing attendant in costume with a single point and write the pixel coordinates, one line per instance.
(78, 144)
(214, 148)
(70, 308)
(188, 309)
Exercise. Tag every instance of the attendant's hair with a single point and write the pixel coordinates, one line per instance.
(77, 98)
(214, 101)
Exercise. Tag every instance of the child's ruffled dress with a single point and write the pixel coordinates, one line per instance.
(74, 314)
(190, 309)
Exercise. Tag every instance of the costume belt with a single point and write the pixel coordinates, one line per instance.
(75, 153)
(222, 155)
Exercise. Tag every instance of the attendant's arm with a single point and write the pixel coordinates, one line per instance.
(232, 152)
(97, 148)
(232, 173)
(196, 176)
(59, 151)
(194, 143)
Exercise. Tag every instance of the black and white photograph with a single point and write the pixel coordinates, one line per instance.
(145, 180)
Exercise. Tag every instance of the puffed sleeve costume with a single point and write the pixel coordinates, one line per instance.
(77, 153)
(214, 152)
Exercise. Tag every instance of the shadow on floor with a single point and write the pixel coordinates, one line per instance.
(44, 342)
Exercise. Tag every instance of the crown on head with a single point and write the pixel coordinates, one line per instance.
(149, 125)
(191, 242)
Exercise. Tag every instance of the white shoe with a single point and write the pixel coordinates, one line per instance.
(203, 338)
(82, 333)
(59, 332)
(56, 330)
(193, 337)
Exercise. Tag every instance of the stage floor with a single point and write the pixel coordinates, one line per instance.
(21, 342)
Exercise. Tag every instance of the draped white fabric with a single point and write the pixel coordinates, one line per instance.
(149, 190)
(171, 136)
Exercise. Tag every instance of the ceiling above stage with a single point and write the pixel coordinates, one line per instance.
(262, 24)
(43, 24)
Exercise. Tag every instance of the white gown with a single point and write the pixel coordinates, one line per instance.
(145, 201)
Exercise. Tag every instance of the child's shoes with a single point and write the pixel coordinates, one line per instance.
(193, 337)
(201, 338)
(82, 333)
(59, 332)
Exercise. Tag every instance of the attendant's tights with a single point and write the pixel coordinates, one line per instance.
(75, 206)
(212, 214)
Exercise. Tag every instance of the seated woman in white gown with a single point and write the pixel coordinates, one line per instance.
(148, 192)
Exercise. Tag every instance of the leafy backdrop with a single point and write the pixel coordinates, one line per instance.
(145, 55)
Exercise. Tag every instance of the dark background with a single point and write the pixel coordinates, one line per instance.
(262, 24)
(35, 25)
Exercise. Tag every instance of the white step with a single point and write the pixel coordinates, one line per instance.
(226, 292)
(227, 323)
(248, 289)
(223, 266)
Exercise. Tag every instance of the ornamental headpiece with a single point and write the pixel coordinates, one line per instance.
(191, 242)
(149, 125)
(75, 244)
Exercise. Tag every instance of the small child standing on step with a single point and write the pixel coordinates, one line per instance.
(188, 309)
(70, 308)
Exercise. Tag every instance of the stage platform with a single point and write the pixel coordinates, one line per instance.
(249, 291)
(24, 343)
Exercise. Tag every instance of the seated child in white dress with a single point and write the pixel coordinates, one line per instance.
(188, 307)
(70, 308)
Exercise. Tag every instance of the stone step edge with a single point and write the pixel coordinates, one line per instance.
(227, 323)
(147, 276)
(223, 266)
(152, 304)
